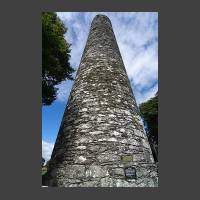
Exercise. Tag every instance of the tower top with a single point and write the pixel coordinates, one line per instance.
(99, 19)
(101, 16)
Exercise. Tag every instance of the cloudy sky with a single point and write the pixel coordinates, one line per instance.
(137, 38)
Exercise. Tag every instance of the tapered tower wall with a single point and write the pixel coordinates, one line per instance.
(101, 141)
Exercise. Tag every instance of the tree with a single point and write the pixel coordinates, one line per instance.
(149, 112)
(55, 56)
(43, 161)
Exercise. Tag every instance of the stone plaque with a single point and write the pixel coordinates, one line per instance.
(130, 172)
(127, 158)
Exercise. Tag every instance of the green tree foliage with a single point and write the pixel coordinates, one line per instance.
(55, 56)
(149, 112)
(43, 161)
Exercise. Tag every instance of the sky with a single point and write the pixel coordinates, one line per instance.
(137, 37)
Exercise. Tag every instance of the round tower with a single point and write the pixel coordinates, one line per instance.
(101, 141)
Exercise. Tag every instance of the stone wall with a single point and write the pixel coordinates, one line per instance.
(102, 133)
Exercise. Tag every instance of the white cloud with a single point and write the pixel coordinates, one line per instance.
(47, 149)
(64, 90)
(137, 37)
(144, 96)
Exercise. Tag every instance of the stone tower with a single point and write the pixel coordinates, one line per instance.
(101, 141)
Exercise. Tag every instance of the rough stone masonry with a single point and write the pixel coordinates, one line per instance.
(101, 141)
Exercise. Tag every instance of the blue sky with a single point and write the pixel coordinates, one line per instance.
(137, 38)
